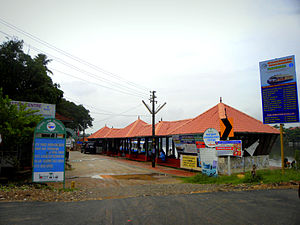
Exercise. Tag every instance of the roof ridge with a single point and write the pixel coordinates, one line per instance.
(250, 117)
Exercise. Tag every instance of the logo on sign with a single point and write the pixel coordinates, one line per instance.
(51, 126)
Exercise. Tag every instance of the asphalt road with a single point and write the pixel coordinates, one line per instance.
(249, 207)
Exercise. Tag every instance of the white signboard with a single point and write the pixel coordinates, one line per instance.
(209, 162)
(45, 110)
(210, 137)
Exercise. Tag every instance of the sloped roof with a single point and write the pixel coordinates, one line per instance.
(211, 119)
(242, 123)
(100, 133)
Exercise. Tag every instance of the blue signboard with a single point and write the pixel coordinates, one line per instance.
(279, 90)
(49, 159)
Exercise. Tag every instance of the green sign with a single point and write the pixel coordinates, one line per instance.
(50, 126)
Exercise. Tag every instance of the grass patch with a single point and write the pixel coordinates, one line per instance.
(264, 176)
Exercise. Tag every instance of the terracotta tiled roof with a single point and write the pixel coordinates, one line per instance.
(100, 133)
(211, 119)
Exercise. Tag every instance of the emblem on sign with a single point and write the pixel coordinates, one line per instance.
(51, 126)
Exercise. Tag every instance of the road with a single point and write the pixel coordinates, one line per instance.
(249, 207)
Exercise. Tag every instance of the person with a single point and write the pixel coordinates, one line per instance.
(68, 147)
(162, 155)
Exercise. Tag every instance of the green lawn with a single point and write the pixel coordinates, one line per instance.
(265, 176)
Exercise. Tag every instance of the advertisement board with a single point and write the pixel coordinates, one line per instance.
(229, 148)
(187, 143)
(45, 110)
(188, 162)
(279, 90)
(209, 162)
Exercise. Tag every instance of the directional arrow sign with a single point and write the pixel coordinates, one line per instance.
(226, 126)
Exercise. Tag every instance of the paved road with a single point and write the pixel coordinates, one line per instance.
(250, 207)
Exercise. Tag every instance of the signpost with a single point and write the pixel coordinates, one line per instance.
(49, 152)
(279, 93)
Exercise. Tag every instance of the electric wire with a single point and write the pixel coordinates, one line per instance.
(121, 88)
(70, 55)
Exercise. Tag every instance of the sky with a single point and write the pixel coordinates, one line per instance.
(109, 54)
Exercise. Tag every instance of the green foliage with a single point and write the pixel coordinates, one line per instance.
(79, 115)
(265, 176)
(16, 125)
(24, 78)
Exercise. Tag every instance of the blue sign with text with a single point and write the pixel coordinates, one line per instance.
(279, 90)
(49, 159)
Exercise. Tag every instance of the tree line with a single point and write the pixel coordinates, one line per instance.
(27, 78)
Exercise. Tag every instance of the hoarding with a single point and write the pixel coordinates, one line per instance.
(188, 143)
(279, 90)
(188, 162)
(45, 110)
(229, 148)
(209, 162)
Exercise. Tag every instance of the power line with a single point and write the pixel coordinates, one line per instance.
(122, 88)
(70, 55)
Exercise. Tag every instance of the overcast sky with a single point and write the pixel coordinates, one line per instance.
(190, 52)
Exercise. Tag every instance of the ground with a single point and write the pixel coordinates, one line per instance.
(97, 177)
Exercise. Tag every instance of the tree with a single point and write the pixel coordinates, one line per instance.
(16, 128)
(80, 116)
(25, 79)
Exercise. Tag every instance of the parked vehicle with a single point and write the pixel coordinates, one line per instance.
(88, 146)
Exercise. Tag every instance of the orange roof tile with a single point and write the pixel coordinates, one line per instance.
(100, 133)
(211, 119)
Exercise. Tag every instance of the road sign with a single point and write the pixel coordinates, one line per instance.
(226, 127)
(279, 90)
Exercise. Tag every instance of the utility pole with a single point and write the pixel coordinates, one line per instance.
(153, 112)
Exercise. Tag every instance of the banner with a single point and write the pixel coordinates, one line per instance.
(209, 162)
(231, 148)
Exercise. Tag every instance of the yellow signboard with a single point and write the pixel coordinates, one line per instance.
(188, 162)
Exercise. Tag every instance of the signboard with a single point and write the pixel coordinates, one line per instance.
(45, 110)
(188, 162)
(49, 151)
(226, 128)
(231, 148)
(49, 160)
(279, 90)
(210, 137)
(187, 143)
(209, 162)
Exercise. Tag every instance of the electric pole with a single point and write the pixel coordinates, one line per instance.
(153, 112)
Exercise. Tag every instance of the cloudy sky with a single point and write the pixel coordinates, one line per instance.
(109, 54)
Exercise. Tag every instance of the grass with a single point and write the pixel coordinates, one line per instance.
(262, 176)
